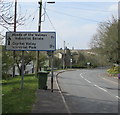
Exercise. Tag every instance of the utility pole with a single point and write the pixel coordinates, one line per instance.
(64, 56)
(118, 61)
(15, 16)
(52, 71)
(22, 76)
(39, 29)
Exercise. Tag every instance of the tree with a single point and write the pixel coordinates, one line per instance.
(67, 57)
(7, 16)
(7, 22)
(28, 57)
(105, 41)
(6, 62)
(57, 62)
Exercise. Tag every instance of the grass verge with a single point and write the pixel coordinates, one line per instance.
(16, 100)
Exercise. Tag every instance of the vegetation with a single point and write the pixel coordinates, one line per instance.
(16, 100)
(114, 70)
(82, 59)
(105, 41)
(29, 56)
(7, 63)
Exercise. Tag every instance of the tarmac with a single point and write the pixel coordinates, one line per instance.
(48, 101)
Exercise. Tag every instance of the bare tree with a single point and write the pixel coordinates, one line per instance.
(7, 18)
(7, 15)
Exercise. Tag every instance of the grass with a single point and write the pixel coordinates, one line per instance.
(16, 100)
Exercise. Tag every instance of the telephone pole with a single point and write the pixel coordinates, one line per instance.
(15, 16)
(118, 61)
(64, 56)
(39, 29)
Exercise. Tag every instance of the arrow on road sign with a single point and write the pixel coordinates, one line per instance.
(9, 40)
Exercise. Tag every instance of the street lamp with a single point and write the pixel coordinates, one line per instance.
(37, 53)
(39, 29)
(52, 2)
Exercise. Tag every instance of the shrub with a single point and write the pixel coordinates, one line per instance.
(114, 70)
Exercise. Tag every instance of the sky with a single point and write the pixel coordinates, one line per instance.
(74, 21)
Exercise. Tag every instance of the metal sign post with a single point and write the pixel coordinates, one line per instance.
(52, 71)
(22, 79)
(31, 41)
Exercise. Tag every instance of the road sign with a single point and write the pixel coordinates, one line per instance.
(88, 63)
(31, 41)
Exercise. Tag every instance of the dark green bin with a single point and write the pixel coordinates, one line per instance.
(42, 79)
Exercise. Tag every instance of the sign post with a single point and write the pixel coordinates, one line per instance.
(22, 80)
(31, 41)
(52, 72)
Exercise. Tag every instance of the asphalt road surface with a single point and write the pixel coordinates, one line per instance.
(89, 91)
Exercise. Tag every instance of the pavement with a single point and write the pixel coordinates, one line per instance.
(48, 101)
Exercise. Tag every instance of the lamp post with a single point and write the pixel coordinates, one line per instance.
(52, 2)
(119, 33)
(118, 57)
(37, 53)
(39, 29)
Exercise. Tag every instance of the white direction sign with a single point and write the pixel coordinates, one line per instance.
(31, 41)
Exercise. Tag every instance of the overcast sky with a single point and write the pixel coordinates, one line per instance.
(74, 22)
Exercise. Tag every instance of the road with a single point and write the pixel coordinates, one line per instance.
(89, 91)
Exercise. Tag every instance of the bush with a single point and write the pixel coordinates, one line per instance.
(114, 70)
(6, 76)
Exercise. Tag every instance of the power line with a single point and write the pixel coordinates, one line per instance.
(50, 21)
(95, 10)
(54, 27)
(74, 16)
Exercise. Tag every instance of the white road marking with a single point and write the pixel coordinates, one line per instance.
(88, 81)
(81, 75)
(60, 91)
(100, 88)
(84, 78)
(117, 97)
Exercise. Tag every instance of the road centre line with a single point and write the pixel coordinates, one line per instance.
(81, 75)
(106, 91)
(117, 97)
(100, 88)
(88, 81)
(85, 79)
